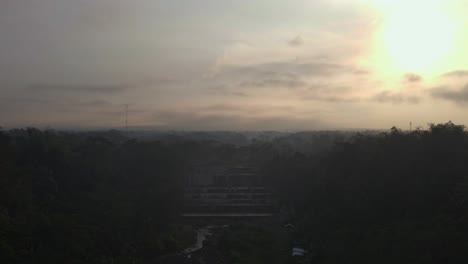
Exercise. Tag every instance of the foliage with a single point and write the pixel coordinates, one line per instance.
(398, 197)
(250, 243)
(79, 198)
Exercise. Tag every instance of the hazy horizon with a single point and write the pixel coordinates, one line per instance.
(163, 129)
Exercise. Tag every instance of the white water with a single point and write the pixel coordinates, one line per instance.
(202, 234)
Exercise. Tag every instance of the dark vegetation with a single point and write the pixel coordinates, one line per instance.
(72, 198)
(395, 197)
(251, 244)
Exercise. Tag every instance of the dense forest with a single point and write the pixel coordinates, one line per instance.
(106, 197)
(74, 198)
(397, 197)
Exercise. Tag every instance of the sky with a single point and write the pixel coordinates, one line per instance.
(233, 64)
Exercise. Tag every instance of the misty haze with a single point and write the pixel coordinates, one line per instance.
(233, 131)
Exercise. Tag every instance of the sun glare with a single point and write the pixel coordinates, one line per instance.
(415, 35)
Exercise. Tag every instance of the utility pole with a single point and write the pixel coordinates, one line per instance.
(410, 126)
(126, 116)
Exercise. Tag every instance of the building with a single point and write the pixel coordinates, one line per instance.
(227, 192)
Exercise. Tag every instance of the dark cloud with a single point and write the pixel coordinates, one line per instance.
(102, 89)
(63, 105)
(23, 104)
(361, 72)
(328, 93)
(336, 99)
(238, 94)
(394, 98)
(330, 98)
(289, 75)
(456, 74)
(310, 69)
(297, 41)
(281, 75)
(220, 108)
(275, 79)
(226, 90)
(413, 99)
(64, 112)
(309, 81)
(231, 93)
(22, 100)
(458, 96)
(387, 97)
(412, 78)
(98, 103)
(99, 108)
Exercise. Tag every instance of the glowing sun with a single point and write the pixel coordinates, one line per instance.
(415, 35)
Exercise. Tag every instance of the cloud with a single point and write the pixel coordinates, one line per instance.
(412, 78)
(328, 93)
(102, 89)
(63, 105)
(331, 98)
(66, 102)
(23, 100)
(106, 13)
(456, 74)
(98, 103)
(291, 74)
(275, 79)
(458, 96)
(65, 112)
(413, 99)
(394, 98)
(314, 68)
(304, 80)
(361, 72)
(297, 41)
(224, 91)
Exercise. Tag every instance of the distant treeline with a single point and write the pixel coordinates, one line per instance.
(393, 197)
